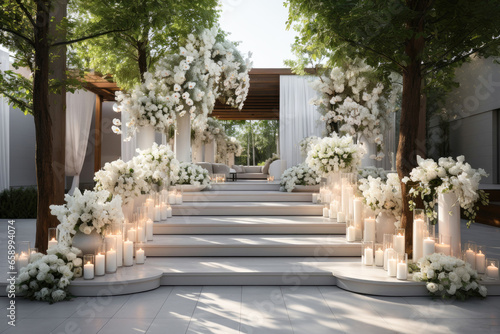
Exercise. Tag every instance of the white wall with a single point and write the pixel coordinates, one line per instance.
(22, 149)
(473, 106)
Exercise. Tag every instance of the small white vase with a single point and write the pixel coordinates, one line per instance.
(449, 220)
(87, 243)
(385, 225)
(145, 137)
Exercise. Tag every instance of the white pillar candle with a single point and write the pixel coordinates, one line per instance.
(178, 199)
(358, 209)
(443, 249)
(386, 256)
(402, 271)
(128, 253)
(113, 241)
(164, 214)
(359, 233)
(480, 262)
(150, 204)
(351, 234)
(315, 198)
(351, 197)
(333, 209)
(428, 247)
(132, 234)
(470, 257)
(169, 212)
(369, 233)
(23, 260)
(345, 199)
(52, 243)
(88, 271)
(379, 257)
(326, 212)
(171, 198)
(327, 197)
(392, 267)
(139, 256)
(141, 234)
(340, 217)
(399, 243)
(149, 230)
(418, 239)
(100, 264)
(119, 250)
(157, 212)
(492, 272)
(368, 256)
(111, 261)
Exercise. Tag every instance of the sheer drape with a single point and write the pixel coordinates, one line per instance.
(298, 118)
(4, 130)
(128, 147)
(79, 111)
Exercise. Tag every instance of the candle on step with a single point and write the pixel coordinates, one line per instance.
(492, 269)
(418, 238)
(326, 212)
(470, 257)
(169, 211)
(111, 261)
(351, 234)
(387, 253)
(399, 243)
(379, 257)
(369, 233)
(22, 260)
(149, 230)
(480, 262)
(52, 243)
(128, 253)
(139, 256)
(340, 217)
(132, 234)
(358, 209)
(392, 267)
(99, 264)
(429, 246)
(88, 271)
(164, 214)
(178, 198)
(315, 198)
(157, 212)
(119, 249)
(443, 249)
(172, 197)
(333, 209)
(368, 256)
(402, 271)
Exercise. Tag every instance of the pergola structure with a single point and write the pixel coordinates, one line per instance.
(262, 103)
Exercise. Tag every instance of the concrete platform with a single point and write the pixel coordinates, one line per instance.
(247, 209)
(246, 196)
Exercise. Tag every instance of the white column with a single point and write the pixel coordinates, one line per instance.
(198, 148)
(183, 138)
(210, 151)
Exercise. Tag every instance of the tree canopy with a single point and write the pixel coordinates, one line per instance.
(152, 28)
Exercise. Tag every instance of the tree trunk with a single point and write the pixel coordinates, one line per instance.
(410, 115)
(43, 124)
(142, 58)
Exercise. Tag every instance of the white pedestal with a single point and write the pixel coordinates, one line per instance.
(183, 138)
(145, 137)
(210, 151)
(230, 159)
(449, 220)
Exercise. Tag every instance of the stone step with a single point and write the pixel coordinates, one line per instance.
(247, 209)
(246, 196)
(246, 186)
(248, 225)
(251, 245)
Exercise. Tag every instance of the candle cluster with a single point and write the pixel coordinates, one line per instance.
(219, 178)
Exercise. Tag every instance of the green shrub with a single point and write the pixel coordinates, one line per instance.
(18, 203)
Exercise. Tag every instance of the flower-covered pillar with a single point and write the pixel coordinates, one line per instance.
(183, 138)
(210, 151)
(230, 159)
(198, 149)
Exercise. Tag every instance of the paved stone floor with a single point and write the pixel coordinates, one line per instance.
(252, 309)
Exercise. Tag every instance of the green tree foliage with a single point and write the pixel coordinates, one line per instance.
(419, 39)
(154, 28)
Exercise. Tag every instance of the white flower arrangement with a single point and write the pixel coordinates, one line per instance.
(383, 196)
(306, 144)
(335, 154)
(448, 276)
(372, 171)
(188, 82)
(190, 173)
(121, 178)
(213, 131)
(156, 164)
(299, 175)
(352, 101)
(47, 277)
(92, 210)
(432, 178)
(233, 145)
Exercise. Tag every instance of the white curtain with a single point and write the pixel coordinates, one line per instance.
(4, 130)
(79, 111)
(128, 147)
(298, 118)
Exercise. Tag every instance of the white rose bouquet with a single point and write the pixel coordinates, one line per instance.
(121, 178)
(47, 277)
(299, 175)
(432, 178)
(335, 154)
(190, 173)
(448, 276)
(156, 165)
(353, 101)
(383, 196)
(92, 210)
(233, 146)
(372, 171)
